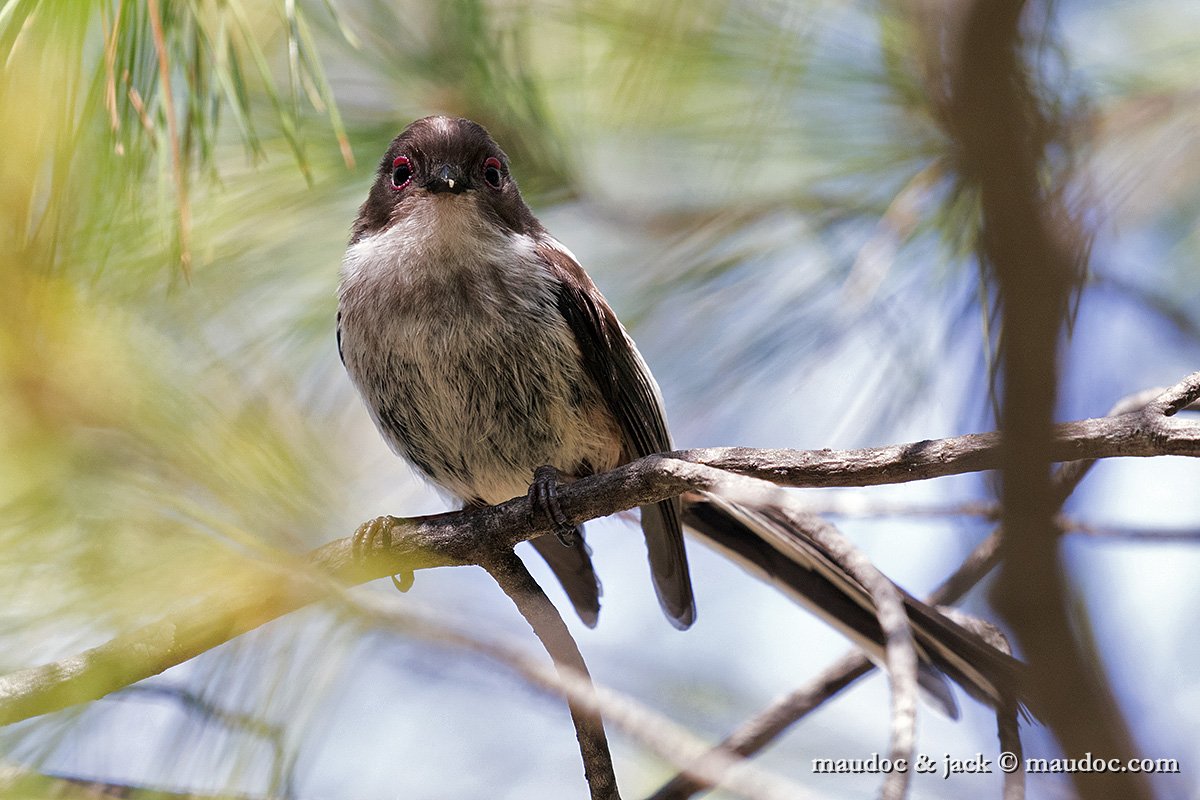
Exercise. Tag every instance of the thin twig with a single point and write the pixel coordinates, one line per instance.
(1180, 396)
(1008, 731)
(741, 497)
(510, 573)
(765, 726)
(1135, 434)
(899, 648)
(451, 539)
(847, 503)
(282, 782)
(1164, 535)
(667, 739)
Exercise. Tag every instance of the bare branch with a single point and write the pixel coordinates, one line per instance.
(761, 729)
(281, 783)
(744, 495)
(1034, 250)
(765, 726)
(453, 539)
(899, 647)
(1180, 396)
(1182, 535)
(1142, 433)
(1008, 731)
(512, 576)
(848, 503)
(662, 736)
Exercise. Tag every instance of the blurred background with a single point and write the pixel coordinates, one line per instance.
(766, 192)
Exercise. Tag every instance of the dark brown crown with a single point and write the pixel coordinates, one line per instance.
(428, 144)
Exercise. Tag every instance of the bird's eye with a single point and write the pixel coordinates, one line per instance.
(493, 172)
(401, 172)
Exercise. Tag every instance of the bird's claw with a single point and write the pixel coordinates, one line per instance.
(543, 497)
(377, 535)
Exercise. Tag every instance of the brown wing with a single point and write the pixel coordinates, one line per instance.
(613, 362)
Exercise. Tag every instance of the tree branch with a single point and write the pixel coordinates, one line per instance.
(1142, 433)
(452, 539)
(899, 647)
(764, 727)
(672, 742)
(755, 504)
(1033, 249)
(512, 576)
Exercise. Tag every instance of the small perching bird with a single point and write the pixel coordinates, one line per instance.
(490, 361)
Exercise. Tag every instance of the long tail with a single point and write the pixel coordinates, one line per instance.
(765, 542)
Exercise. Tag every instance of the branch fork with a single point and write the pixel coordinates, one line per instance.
(1146, 424)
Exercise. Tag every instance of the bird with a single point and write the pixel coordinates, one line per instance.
(490, 361)
(488, 358)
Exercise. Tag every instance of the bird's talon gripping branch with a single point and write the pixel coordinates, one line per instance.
(376, 535)
(371, 536)
(543, 498)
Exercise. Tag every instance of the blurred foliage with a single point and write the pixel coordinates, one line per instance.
(142, 456)
(105, 114)
(131, 447)
(765, 189)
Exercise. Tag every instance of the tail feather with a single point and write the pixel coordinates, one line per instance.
(573, 568)
(668, 562)
(766, 543)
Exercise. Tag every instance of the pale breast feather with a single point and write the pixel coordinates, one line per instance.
(467, 365)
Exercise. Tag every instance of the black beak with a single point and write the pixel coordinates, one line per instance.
(447, 178)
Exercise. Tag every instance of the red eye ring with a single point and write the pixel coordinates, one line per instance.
(493, 172)
(401, 173)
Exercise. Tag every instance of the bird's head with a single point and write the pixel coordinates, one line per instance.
(441, 169)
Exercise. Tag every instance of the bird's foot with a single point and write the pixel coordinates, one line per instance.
(374, 536)
(543, 497)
